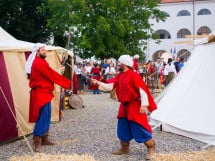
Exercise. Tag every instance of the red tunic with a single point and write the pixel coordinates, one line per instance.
(96, 75)
(135, 65)
(151, 69)
(127, 86)
(42, 81)
(75, 84)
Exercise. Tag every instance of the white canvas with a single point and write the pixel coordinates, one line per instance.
(186, 107)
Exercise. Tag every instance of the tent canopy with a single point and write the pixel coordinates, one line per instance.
(186, 107)
(8, 42)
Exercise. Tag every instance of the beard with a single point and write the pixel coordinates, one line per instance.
(42, 56)
(120, 68)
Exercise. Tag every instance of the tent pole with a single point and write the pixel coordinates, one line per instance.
(26, 140)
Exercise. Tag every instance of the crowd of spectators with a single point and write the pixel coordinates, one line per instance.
(157, 74)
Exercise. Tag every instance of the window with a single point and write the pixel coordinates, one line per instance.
(182, 33)
(183, 13)
(204, 12)
(184, 54)
(204, 30)
(163, 34)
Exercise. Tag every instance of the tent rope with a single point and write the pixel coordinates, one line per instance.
(25, 139)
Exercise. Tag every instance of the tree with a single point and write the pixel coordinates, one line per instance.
(59, 20)
(109, 28)
(26, 20)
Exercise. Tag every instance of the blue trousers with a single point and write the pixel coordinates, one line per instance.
(43, 123)
(127, 130)
(96, 91)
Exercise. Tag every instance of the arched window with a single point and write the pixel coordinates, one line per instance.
(204, 30)
(157, 54)
(163, 34)
(204, 12)
(182, 33)
(184, 54)
(183, 13)
(165, 14)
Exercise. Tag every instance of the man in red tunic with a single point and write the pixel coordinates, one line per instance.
(41, 81)
(95, 75)
(135, 99)
(135, 64)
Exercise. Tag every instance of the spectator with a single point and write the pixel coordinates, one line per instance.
(79, 70)
(95, 75)
(170, 71)
(177, 61)
(181, 63)
(135, 60)
(110, 73)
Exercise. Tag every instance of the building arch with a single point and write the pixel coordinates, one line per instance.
(183, 32)
(157, 54)
(184, 53)
(183, 13)
(163, 54)
(163, 34)
(204, 12)
(204, 30)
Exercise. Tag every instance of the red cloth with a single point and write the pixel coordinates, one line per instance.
(42, 81)
(127, 86)
(151, 69)
(135, 65)
(96, 75)
(75, 83)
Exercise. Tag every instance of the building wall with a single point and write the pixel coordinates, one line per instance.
(174, 23)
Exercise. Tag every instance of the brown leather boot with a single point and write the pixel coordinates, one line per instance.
(112, 94)
(123, 150)
(46, 141)
(150, 144)
(37, 144)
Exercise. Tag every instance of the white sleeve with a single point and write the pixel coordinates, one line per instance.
(165, 71)
(105, 86)
(144, 97)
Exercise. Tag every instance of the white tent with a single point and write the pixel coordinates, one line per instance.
(186, 107)
(8, 42)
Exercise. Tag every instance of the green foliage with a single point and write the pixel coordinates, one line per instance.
(104, 28)
(59, 20)
(111, 27)
(25, 20)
